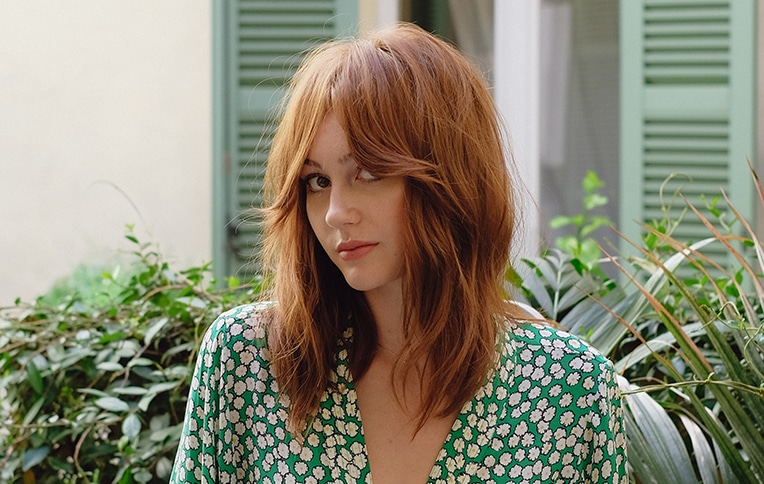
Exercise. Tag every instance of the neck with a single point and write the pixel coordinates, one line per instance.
(386, 306)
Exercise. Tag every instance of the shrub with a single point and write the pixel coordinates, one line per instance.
(94, 376)
(687, 334)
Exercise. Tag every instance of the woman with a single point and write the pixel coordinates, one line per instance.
(390, 349)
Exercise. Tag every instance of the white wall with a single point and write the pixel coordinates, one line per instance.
(98, 94)
(516, 78)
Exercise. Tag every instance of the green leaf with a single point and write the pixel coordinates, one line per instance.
(164, 468)
(35, 379)
(590, 253)
(159, 422)
(58, 464)
(163, 387)
(33, 411)
(94, 391)
(593, 201)
(560, 221)
(110, 366)
(154, 328)
(142, 476)
(112, 404)
(125, 476)
(162, 435)
(567, 243)
(108, 338)
(131, 390)
(591, 182)
(704, 456)
(145, 401)
(656, 449)
(593, 223)
(71, 358)
(656, 345)
(141, 362)
(34, 457)
(131, 426)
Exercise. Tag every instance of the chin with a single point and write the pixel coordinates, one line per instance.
(360, 283)
(361, 286)
(366, 284)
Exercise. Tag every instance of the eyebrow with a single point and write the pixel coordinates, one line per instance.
(344, 159)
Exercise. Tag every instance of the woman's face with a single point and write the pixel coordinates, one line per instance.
(356, 216)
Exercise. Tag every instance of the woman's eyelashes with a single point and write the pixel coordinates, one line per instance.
(316, 182)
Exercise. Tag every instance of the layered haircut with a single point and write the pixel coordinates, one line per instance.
(411, 106)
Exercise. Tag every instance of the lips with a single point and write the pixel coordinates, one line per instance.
(354, 250)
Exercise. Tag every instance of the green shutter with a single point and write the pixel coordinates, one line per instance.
(257, 46)
(687, 106)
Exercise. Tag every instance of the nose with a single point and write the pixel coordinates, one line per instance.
(343, 208)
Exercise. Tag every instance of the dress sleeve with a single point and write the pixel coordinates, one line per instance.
(196, 457)
(607, 456)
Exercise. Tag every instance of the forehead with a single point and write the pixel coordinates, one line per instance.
(330, 144)
(343, 160)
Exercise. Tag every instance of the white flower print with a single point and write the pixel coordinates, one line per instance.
(550, 412)
(573, 378)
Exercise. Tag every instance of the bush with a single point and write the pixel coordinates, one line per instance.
(94, 375)
(687, 333)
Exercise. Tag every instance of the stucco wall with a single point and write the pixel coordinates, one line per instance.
(104, 121)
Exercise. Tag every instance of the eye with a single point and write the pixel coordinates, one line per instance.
(316, 182)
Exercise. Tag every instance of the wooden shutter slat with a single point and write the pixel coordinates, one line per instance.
(326, 6)
(687, 44)
(265, 41)
(687, 91)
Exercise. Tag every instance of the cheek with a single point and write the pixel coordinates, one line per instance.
(397, 210)
(316, 216)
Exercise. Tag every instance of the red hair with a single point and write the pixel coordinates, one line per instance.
(412, 106)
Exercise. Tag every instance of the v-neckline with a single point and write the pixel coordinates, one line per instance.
(473, 410)
(459, 421)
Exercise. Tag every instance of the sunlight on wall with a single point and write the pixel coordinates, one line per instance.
(106, 121)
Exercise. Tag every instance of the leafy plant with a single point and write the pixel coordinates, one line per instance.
(707, 366)
(584, 250)
(94, 376)
(687, 334)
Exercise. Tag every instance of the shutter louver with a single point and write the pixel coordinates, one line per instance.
(687, 110)
(266, 41)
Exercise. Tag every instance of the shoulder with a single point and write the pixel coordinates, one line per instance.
(248, 324)
(539, 339)
(568, 373)
(543, 352)
(561, 388)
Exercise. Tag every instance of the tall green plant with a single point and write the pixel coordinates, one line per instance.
(711, 354)
(93, 387)
(686, 332)
(567, 284)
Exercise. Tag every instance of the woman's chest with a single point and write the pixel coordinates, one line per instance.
(401, 449)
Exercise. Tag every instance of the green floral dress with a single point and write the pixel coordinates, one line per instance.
(551, 412)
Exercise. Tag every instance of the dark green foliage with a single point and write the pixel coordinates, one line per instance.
(94, 375)
(685, 329)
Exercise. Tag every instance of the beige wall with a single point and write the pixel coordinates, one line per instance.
(100, 98)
